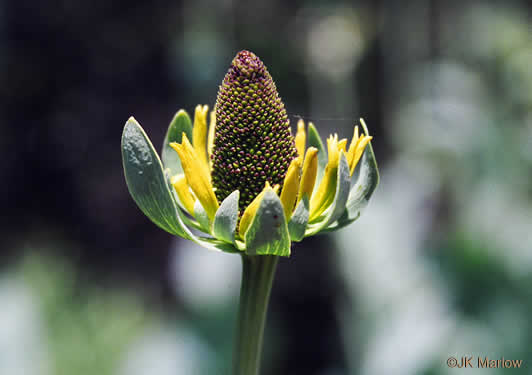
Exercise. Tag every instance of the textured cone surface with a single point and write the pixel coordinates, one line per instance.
(253, 142)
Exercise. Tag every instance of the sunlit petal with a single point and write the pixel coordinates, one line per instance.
(308, 176)
(197, 176)
(291, 186)
(199, 134)
(301, 138)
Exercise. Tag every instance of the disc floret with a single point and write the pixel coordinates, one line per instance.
(253, 143)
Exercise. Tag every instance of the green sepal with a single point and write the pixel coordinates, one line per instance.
(207, 242)
(226, 218)
(342, 222)
(201, 216)
(314, 140)
(360, 194)
(268, 232)
(338, 206)
(298, 222)
(146, 180)
(180, 124)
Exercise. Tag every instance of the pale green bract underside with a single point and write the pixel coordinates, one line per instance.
(270, 232)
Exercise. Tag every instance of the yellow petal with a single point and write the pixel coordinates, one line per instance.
(291, 187)
(356, 149)
(352, 147)
(199, 134)
(301, 138)
(183, 192)
(210, 138)
(251, 210)
(308, 176)
(197, 176)
(342, 144)
(361, 146)
(325, 194)
(332, 149)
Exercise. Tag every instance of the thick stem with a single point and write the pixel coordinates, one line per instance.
(257, 277)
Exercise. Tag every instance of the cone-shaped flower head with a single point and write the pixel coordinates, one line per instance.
(241, 182)
(253, 143)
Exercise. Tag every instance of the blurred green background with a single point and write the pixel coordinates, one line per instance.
(439, 264)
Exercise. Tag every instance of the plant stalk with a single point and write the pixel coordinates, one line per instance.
(257, 278)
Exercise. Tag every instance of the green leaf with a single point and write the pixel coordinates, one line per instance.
(314, 140)
(268, 232)
(146, 180)
(180, 124)
(360, 194)
(226, 218)
(298, 222)
(201, 216)
(343, 183)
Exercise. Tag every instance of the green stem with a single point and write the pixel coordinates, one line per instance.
(257, 277)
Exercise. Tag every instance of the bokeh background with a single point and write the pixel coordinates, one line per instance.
(439, 264)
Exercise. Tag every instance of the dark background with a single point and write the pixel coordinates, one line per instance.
(446, 89)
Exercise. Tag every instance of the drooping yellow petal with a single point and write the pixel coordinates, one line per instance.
(210, 137)
(251, 209)
(291, 186)
(301, 138)
(183, 192)
(324, 196)
(310, 171)
(356, 149)
(199, 134)
(197, 176)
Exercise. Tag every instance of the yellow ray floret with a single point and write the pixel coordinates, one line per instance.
(183, 192)
(308, 176)
(342, 144)
(199, 134)
(301, 138)
(356, 149)
(291, 186)
(251, 210)
(327, 188)
(197, 176)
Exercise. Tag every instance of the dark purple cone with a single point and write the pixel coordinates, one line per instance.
(253, 142)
